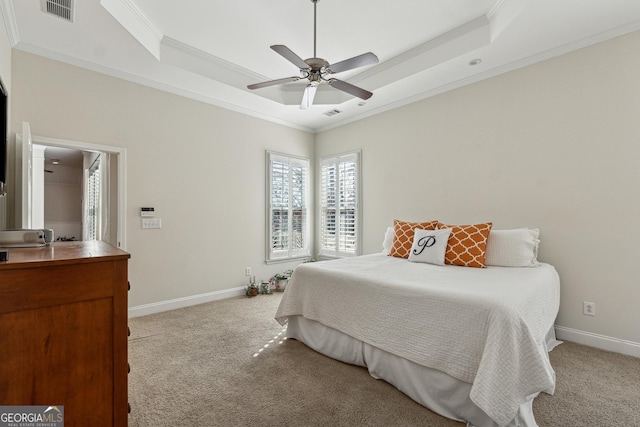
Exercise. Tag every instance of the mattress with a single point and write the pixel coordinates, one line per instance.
(484, 327)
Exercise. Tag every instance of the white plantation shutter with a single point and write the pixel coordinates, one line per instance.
(279, 205)
(93, 195)
(339, 205)
(288, 222)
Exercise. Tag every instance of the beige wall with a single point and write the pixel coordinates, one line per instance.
(5, 55)
(200, 166)
(5, 73)
(555, 145)
(63, 200)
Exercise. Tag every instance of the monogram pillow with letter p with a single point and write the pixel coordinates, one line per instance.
(429, 246)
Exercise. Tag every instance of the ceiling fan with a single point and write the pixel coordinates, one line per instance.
(318, 70)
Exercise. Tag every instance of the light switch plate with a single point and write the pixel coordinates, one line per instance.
(151, 223)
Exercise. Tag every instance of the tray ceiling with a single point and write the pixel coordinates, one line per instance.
(210, 50)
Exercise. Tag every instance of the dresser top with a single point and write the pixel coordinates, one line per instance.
(62, 253)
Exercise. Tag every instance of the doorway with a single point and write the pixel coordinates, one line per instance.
(78, 194)
(84, 171)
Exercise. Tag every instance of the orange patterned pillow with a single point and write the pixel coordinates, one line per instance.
(467, 244)
(403, 236)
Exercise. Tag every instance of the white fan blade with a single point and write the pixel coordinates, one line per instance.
(307, 97)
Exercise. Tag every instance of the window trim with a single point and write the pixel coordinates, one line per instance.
(292, 255)
(320, 251)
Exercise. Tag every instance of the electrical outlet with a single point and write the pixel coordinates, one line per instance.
(247, 271)
(589, 308)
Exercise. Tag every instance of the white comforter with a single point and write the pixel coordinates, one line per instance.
(483, 326)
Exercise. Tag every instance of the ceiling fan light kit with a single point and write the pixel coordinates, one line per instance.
(318, 70)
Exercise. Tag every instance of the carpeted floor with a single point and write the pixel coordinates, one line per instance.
(225, 364)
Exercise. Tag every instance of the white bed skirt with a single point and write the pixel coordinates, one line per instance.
(434, 389)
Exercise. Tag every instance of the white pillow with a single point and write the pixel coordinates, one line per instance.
(513, 248)
(429, 246)
(387, 243)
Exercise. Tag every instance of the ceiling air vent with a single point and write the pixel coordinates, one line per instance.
(60, 8)
(332, 112)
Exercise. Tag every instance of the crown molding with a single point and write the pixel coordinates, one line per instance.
(190, 58)
(522, 63)
(154, 84)
(129, 15)
(496, 9)
(454, 43)
(9, 18)
(503, 13)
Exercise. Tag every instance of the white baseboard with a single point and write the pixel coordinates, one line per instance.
(603, 342)
(157, 307)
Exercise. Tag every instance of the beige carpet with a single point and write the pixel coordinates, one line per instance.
(224, 364)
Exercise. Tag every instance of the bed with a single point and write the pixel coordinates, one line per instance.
(469, 343)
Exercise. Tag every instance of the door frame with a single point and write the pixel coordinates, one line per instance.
(121, 153)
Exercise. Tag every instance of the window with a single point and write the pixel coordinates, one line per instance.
(340, 205)
(93, 198)
(288, 219)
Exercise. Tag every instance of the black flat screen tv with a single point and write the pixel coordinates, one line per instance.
(4, 107)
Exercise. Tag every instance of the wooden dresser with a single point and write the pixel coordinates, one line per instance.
(63, 331)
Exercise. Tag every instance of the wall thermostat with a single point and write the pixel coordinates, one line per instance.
(147, 211)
